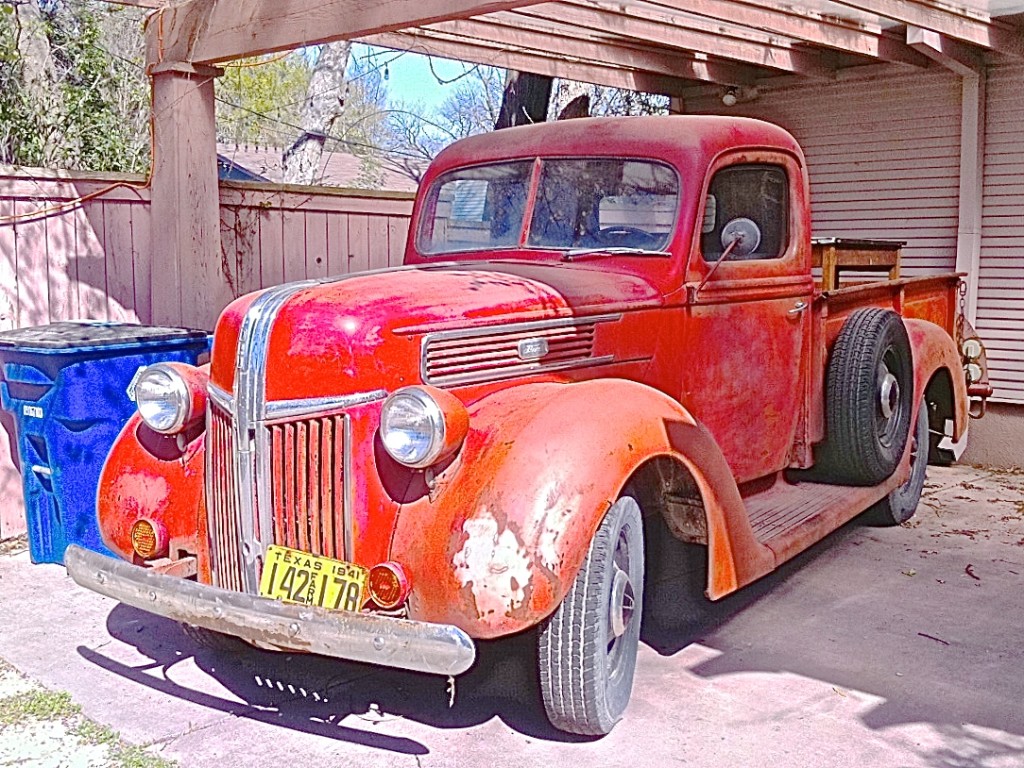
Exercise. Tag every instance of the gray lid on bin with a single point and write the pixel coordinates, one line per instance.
(78, 335)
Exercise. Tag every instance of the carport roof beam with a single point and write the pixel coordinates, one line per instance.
(973, 29)
(214, 31)
(435, 43)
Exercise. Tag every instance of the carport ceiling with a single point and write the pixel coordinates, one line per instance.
(659, 46)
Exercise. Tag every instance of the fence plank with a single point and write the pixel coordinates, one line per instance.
(12, 508)
(142, 251)
(92, 263)
(30, 251)
(117, 237)
(337, 244)
(398, 230)
(271, 247)
(62, 271)
(316, 244)
(359, 243)
(294, 245)
(8, 270)
(247, 243)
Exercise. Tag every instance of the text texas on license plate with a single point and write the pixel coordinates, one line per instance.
(299, 577)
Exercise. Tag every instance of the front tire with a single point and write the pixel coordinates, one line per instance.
(587, 650)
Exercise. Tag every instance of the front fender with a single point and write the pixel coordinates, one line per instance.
(153, 476)
(498, 546)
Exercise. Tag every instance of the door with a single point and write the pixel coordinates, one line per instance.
(749, 313)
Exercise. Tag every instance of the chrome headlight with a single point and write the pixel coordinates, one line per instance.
(420, 426)
(163, 398)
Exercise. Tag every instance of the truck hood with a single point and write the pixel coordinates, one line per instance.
(364, 332)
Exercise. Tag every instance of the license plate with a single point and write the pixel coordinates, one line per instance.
(293, 576)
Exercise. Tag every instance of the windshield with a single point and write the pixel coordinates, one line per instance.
(580, 203)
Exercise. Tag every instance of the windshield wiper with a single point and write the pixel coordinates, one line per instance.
(577, 253)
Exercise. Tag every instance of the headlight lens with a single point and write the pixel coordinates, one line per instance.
(412, 427)
(163, 399)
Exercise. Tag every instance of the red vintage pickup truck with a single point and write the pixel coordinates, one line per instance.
(601, 324)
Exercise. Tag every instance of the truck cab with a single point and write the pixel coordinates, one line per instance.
(600, 324)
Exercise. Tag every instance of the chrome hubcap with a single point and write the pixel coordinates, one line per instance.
(620, 607)
(888, 393)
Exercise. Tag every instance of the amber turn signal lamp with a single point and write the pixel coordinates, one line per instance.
(388, 585)
(149, 539)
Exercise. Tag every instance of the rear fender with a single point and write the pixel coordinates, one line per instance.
(933, 350)
(510, 523)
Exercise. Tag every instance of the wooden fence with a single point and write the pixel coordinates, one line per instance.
(92, 260)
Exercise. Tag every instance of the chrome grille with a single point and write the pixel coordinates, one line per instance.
(486, 355)
(223, 516)
(308, 484)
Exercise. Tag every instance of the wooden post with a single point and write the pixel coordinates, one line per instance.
(188, 283)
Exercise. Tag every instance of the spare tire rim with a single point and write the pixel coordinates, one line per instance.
(621, 602)
(890, 400)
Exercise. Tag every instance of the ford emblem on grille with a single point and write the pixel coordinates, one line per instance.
(533, 349)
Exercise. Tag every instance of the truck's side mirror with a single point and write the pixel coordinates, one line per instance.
(740, 237)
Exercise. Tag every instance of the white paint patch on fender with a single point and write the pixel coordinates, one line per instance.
(494, 565)
(558, 511)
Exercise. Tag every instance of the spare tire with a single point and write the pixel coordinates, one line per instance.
(869, 398)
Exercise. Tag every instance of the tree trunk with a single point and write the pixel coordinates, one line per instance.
(39, 77)
(525, 101)
(325, 103)
(571, 99)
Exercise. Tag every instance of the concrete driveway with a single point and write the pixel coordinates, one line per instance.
(879, 647)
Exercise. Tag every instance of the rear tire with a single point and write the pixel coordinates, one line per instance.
(587, 650)
(869, 392)
(901, 504)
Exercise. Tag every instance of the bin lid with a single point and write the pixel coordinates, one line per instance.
(77, 336)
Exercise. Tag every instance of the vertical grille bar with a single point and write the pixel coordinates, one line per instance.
(222, 502)
(301, 487)
(316, 544)
(338, 502)
(327, 483)
(308, 484)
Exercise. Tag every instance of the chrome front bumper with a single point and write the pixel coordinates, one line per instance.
(436, 648)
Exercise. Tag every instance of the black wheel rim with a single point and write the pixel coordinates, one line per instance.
(621, 605)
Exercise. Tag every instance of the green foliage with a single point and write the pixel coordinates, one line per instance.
(260, 100)
(67, 100)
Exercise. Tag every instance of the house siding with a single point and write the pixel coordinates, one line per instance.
(1000, 320)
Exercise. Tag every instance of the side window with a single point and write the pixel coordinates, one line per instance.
(749, 193)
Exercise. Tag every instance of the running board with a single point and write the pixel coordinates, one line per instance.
(790, 517)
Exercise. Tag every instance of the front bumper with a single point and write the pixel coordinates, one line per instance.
(436, 648)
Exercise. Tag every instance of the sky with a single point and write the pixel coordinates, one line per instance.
(410, 78)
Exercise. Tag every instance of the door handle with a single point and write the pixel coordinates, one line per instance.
(799, 307)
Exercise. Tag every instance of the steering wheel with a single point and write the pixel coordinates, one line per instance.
(630, 237)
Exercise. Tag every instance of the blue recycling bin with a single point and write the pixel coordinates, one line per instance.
(70, 388)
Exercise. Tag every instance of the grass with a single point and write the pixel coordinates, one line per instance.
(40, 705)
(37, 705)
